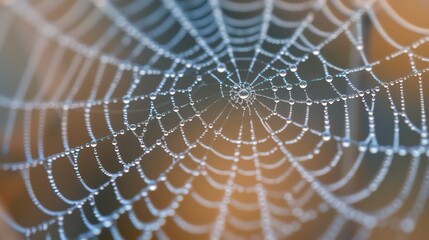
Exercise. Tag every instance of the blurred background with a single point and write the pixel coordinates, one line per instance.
(77, 128)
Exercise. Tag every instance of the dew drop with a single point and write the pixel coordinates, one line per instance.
(407, 225)
(152, 187)
(373, 148)
(126, 100)
(329, 78)
(96, 231)
(368, 67)
(107, 224)
(152, 96)
(221, 67)
(346, 142)
(326, 136)
(162, 177)
(359, 47)
(243, 94)
(362, 147)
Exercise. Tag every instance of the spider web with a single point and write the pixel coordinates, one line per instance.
(213, 118)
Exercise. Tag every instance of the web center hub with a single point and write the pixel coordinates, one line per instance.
(241, 96)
